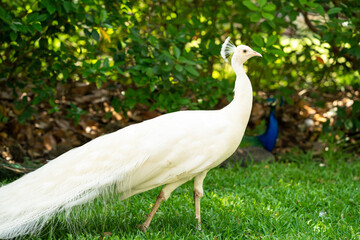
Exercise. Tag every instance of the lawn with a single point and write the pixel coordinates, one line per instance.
(301, 197)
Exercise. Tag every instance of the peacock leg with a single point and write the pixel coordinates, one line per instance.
(163, 196)
(198, 193)
(159, 199)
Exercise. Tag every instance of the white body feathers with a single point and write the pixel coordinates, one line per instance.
(171, 148)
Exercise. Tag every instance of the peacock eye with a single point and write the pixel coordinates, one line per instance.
(244, 51)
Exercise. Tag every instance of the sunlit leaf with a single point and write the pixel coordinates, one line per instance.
(255, 17)
(271, 40)
(269, 7)
(105, 35)
(268, 16)
(262, 2)
(334, 10)
(250, 5)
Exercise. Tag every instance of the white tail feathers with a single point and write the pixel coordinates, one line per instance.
(227, 49)
(73, 178)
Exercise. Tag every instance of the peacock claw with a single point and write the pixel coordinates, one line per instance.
(144, 228)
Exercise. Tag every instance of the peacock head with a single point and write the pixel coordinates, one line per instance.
(240, 53)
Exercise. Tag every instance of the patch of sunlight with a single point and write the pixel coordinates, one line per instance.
(316, 41)
(193, 43)
(291, 44)
(56, 43)
(215, 74)
(341, 60)
(202, 18)
(268, 208)
(60, 76)
(283, 83)
(320, 227)
(348, 79)
(28, 8)
(308, 41)
(110, 31)
(173, 80)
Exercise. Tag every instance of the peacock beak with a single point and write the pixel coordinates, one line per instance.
(254, 53)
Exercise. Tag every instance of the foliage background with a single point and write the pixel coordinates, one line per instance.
(72, 70)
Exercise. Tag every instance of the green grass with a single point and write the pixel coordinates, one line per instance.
(300, 199)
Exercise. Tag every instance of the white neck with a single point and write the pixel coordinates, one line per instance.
(240, 107)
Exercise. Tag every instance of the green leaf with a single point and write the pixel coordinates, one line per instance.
(191, 70)
(13, 36)
(271, 24)
(334, 10)
(255, 17)
(250, 5)
(349, 124)
(97, 64)
(269, 7)
(32, 17)
(19, 26)
(106, 63)
(149, 72)
(258, 40)
(95, 35)
(187, 61)
(65, 73)
(328, 36)
(268, 16)
(98, 83)
(67, 6)
(179, 68)
(56, 66)
(37, 27)
(271, 40)
(87, 32)
(355, 108)
(276, 52)
(262, 2)
(319, 9)
(5, 16)
(177, 52)
(293, 15)
(49, 7)
(103, 15)
(42, 17)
